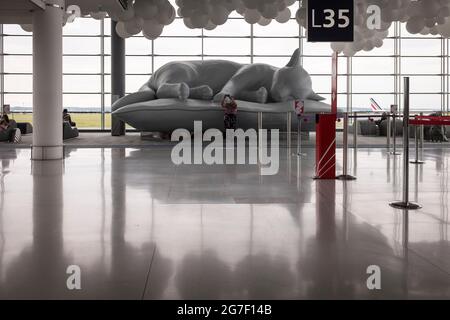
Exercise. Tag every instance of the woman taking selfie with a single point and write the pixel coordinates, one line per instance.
(230, 118)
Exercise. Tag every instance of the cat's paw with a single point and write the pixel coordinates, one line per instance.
(183, 93)
(219, 97)
(262, 95)
(202, 93)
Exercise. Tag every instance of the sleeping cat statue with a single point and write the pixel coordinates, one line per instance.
(213, 79)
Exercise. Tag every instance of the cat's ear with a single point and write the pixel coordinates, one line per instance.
(295, 60)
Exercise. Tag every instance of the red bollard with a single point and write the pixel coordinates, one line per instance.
(326, 146)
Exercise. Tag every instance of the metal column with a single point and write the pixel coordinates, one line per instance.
(117, 77)
(405, 203)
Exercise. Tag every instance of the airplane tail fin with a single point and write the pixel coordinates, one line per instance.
(374, 105)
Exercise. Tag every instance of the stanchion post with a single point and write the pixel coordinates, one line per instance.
(289, 130)
(422, 134)
(394, 120)
(299, 136)
(260, 126)
(405, 204)
(355, 130)
(345, 176)
(389, 133)
(355, 142)
(417, 146)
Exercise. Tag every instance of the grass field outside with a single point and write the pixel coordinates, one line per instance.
(83, 120)
(91, 121)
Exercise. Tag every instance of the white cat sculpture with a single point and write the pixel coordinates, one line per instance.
(213, 79)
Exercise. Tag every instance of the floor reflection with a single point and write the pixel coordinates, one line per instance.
(142, 228)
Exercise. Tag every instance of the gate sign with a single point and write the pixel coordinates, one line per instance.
(330, 20)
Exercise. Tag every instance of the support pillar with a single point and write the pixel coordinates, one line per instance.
(47, 82)
(117, 77)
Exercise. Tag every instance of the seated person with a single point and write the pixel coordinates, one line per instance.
(68, 118)
(436, 133)
(384, 117)
(7, 132)
(5, 118)
(4, 124)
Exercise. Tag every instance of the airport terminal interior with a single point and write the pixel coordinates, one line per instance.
(338, 188)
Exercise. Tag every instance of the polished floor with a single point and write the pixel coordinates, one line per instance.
(140, 227)
(134, 140)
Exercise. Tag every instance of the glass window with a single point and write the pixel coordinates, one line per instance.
(178, 46)
(81, 45)
(227, 46)
(373, 65)
(415, 66)
(373, 84)
(18, 83)
(82, 102)
(82, 83)
(18, 64)
(138, 65)
(133, 83)
(137, 46)
(275, 46)
(83, 27)
(82, 64)
(275, 29)
(20, 102)
(233, 27)
(18, 45)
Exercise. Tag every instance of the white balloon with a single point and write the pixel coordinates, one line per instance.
(348, 51)
(264, 22)
(152, 30)
(444, 29)
(284, 16)
(378, 43)
(219, 15)
(134, 26)
(146, 10)
(98, 15)
(126, 15)
(120, 30)
(415, 25)
(338, 46)
(252, 16)
(188, 23)
(27, 27)
(210, 26)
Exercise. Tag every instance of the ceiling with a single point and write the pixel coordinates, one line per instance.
(19, 11)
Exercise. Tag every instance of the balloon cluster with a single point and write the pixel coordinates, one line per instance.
(148, 16)
(421, 16)
(429, 17)
(264, 11)
(209, 14)
(206, 14)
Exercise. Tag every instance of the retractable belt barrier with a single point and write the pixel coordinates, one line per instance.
(430, 121)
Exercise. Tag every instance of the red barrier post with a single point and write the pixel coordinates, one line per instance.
(326, 133)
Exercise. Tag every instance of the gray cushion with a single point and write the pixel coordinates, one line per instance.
(368, 128)
(144, 95)
(69, 132)
(166, 115)
(384, 125)
(25, 127)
